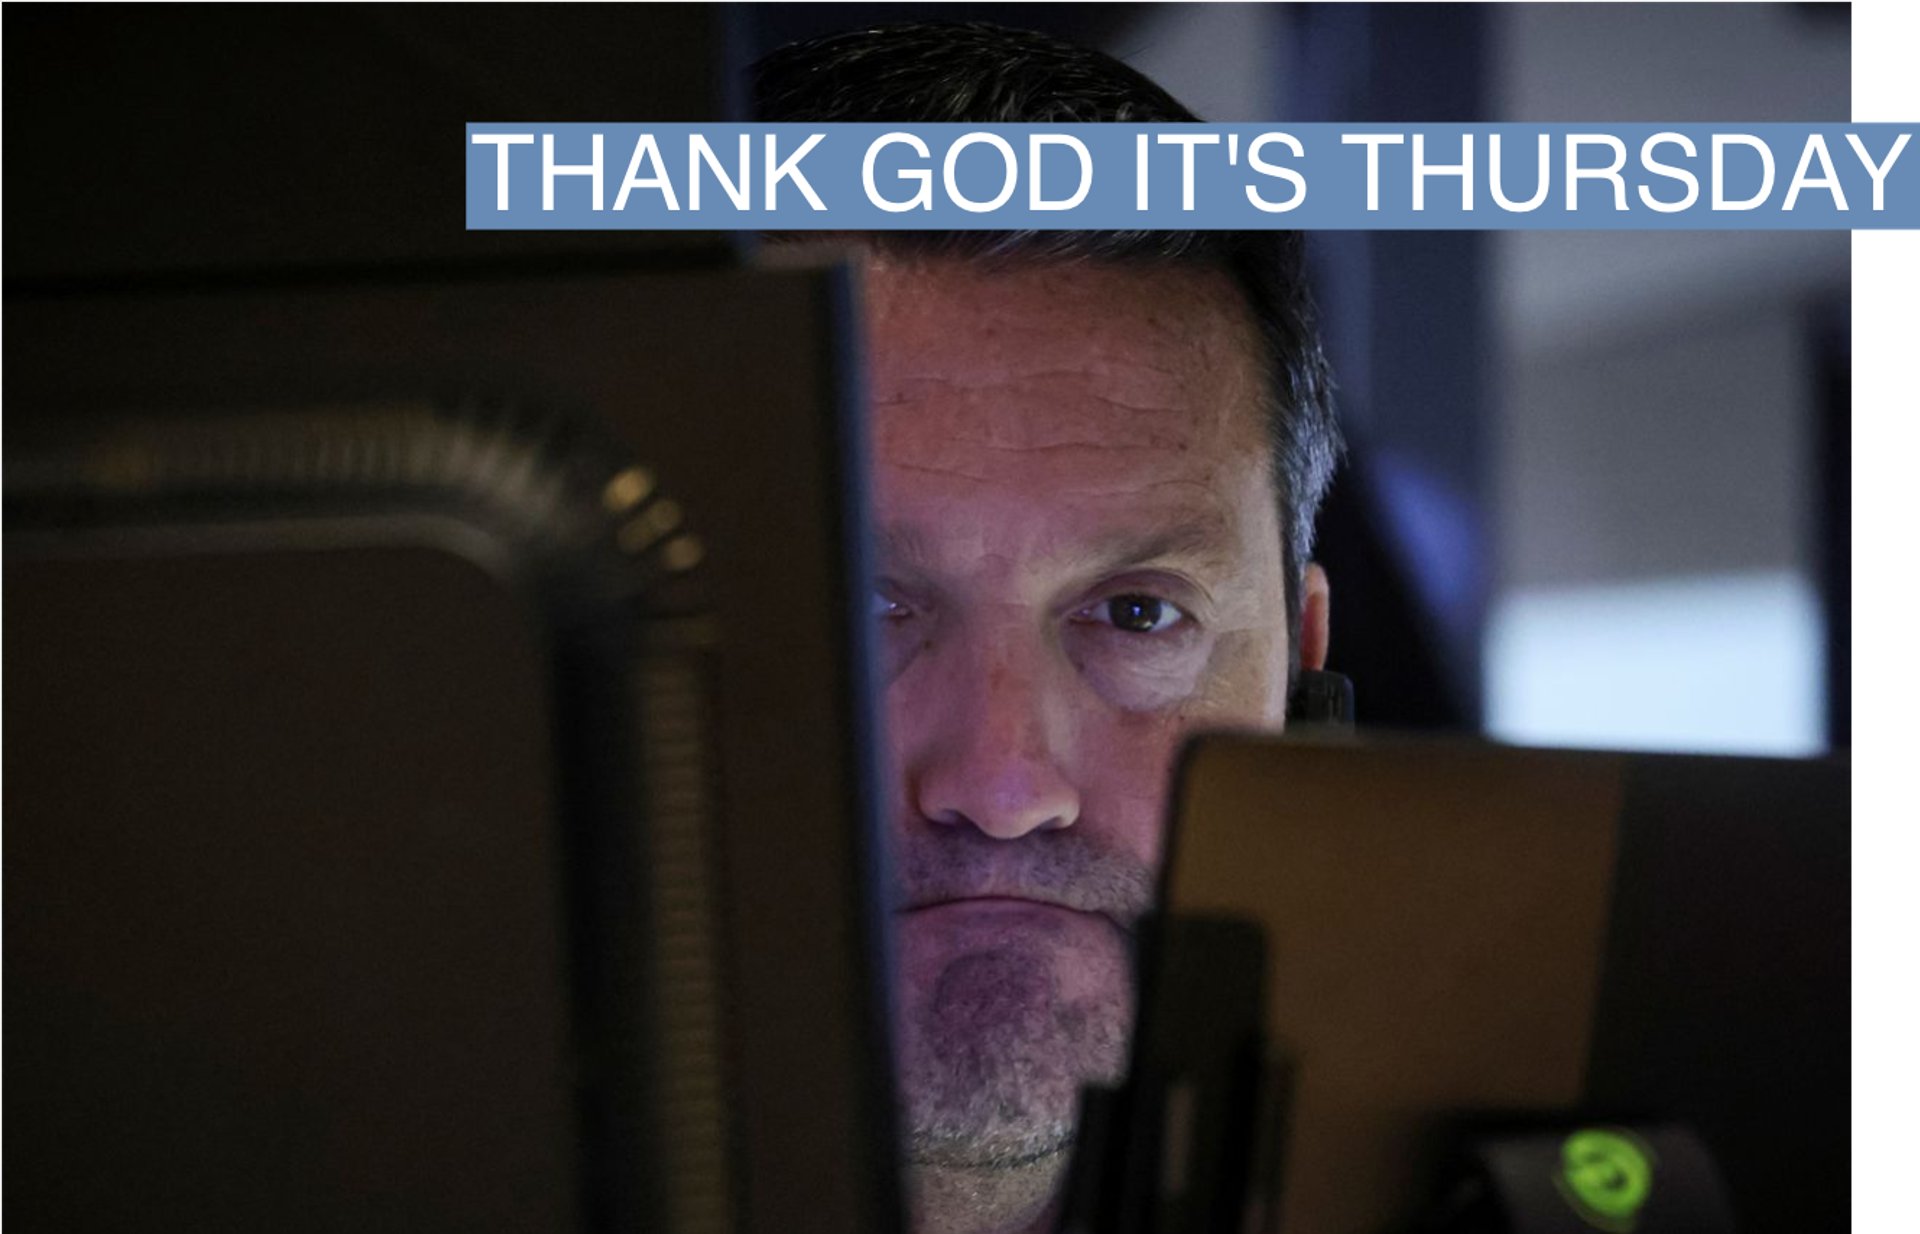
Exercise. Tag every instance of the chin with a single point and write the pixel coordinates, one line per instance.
(1004, 1016)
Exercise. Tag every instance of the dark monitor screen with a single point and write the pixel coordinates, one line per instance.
(437, 760)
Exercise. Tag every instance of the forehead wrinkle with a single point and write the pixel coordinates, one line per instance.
(1192, 391)
(1204, 538)
(1171, 401)
(1185, 411)
(1156, 446)
(1027, 423)
(1063, 420)
(1168, 472)
(1153, 339)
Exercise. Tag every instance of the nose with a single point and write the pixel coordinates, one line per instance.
(988, 758)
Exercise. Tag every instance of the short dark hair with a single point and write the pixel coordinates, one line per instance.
(976, 73)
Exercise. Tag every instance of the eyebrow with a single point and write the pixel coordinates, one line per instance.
(899, 544)
(1205, 540)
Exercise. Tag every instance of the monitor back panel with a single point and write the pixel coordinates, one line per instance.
(285, 942)
(282, 818)
(1465, 929)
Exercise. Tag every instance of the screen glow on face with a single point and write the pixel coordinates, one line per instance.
(1141, 643)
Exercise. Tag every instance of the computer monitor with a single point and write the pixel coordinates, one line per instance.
(438, 761)
(1461, 954)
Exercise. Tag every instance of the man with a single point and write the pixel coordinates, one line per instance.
(1097, 459)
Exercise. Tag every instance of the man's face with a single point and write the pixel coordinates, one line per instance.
(1079, 562)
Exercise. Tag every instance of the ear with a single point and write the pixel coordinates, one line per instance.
(1315, 603)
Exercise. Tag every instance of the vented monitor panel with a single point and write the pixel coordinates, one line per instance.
(437, 764)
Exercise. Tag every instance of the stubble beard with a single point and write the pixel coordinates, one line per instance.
(994, 1058)
(1004, 1015)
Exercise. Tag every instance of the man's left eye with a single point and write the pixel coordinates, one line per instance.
(1137, 614)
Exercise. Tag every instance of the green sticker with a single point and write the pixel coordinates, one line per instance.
(1607, 1177)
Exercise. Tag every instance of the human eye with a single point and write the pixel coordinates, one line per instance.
(897, 629)
(1143, 643)
(1136, 614)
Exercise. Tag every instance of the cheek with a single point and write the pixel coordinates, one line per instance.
(1127, 765)
(1234, 676)
(1134, 673)
(1128, 757)
(1245, 685)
